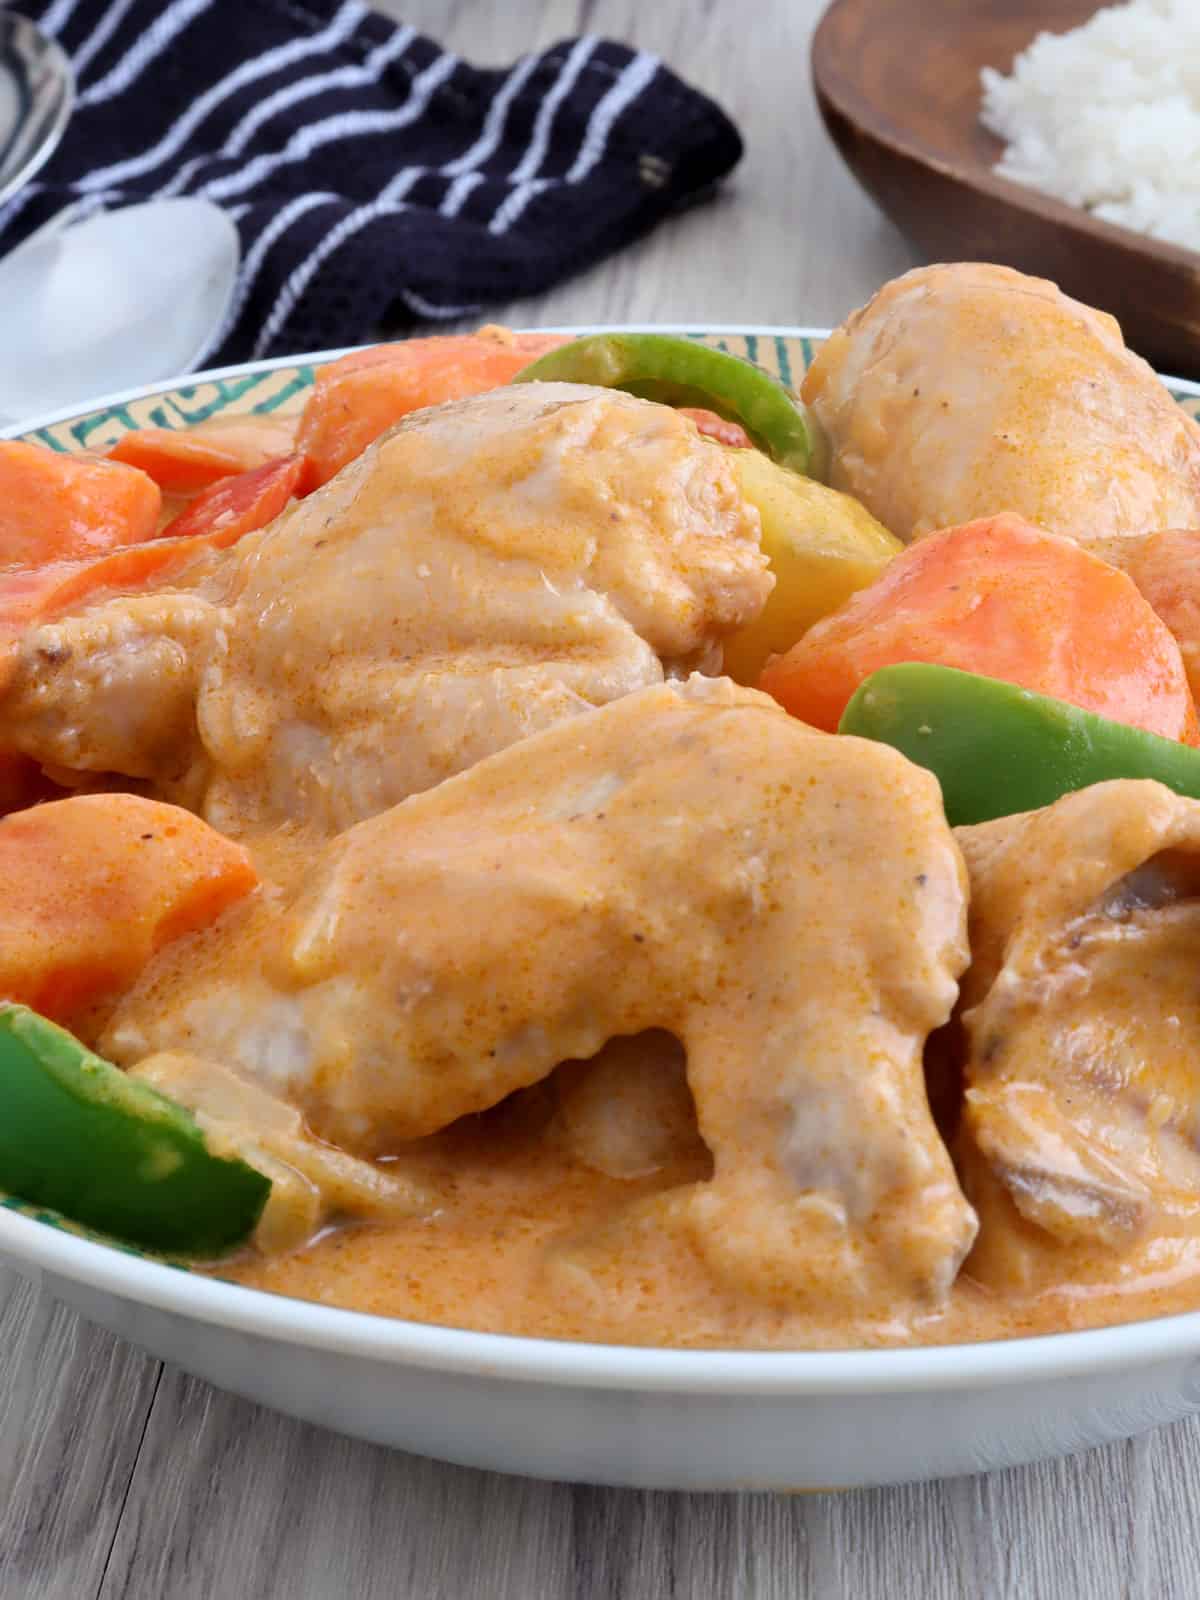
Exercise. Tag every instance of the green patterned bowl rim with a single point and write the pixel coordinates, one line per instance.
(42, 1239)
(261, 387)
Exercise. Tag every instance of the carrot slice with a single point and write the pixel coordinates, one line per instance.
(1001, 598)
(357, 398)
(37, 594)
(55, 506)
(1166, 568)
(34, 594)
(186, 460)
(217, 518)
(721, 429)
(237, 506)
(94, 885)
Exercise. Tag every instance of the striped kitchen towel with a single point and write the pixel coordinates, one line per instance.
(372, 174)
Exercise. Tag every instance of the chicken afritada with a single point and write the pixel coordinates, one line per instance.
(572, 838)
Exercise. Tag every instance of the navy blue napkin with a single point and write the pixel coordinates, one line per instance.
(372, 174)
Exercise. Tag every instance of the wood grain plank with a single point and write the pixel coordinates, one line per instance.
(232, 1500)
(73, 1406)
(1159, 1512)
(229, 1499)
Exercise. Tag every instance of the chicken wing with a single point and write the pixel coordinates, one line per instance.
(488, 568)
(1079, 1136)
(689, 858)
(961, 391)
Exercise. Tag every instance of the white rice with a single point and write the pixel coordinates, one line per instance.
(1108, 117)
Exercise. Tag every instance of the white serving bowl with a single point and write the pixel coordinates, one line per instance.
(661, 1419)
(648, 1418)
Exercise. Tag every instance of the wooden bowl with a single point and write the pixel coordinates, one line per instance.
(898, 85)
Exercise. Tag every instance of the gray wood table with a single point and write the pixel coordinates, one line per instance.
(121, 1477)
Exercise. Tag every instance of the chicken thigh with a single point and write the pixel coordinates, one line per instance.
(488, 568)
(961, 391)
(1079, 1135)
(689, 858)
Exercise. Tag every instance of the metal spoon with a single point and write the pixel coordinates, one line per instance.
(124, 298)
(37, 95)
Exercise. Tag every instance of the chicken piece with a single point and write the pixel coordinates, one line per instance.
(689, 858)
(628, 1112)
(961, 391)
(490, 567)
(1079, 1133)
(112, 689)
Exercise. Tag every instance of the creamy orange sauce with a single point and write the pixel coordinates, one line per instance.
(509, 1200)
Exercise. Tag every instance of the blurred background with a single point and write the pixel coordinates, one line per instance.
(713, 194)
(565, 161)
(790, 238)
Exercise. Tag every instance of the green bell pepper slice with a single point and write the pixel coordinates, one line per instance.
(997, 749)
(680, 372)
(81, 1138)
